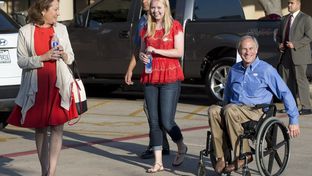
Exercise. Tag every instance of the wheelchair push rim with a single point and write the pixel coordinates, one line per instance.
(272, 148)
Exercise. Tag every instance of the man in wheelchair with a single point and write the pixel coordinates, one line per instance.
(250, 82)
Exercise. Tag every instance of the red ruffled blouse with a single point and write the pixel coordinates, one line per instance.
(164, 69)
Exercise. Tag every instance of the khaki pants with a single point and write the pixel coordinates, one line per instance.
(229, 119)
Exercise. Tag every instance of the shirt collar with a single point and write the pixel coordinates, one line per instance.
(253, 65)
(295, 14)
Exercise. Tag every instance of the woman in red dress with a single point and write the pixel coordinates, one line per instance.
(44, 101)
(163, 39)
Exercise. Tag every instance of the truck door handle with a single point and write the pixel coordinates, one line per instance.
(124, 34)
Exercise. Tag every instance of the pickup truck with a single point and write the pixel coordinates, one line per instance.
(102, 35)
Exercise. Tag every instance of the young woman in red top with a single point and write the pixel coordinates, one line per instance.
(163, 39)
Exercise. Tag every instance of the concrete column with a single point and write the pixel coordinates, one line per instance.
(66, 10)
(252, 9)
(272, 6)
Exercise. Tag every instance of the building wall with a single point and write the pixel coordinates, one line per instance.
(252, 9)
(66, 10)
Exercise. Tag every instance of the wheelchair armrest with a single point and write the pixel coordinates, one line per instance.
(269, 109)
(258, 106)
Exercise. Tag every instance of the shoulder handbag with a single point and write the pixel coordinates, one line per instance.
(79, 91)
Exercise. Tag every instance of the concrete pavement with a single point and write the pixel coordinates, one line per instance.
(111, 135)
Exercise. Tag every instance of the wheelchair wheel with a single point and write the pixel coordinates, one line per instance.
(272, 147)
(201, 169)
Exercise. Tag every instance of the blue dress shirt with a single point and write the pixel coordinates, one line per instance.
(256, 84)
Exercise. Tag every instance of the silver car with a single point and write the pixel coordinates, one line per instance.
(10, 73)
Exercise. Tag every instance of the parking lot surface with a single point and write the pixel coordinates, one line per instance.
(109, 138)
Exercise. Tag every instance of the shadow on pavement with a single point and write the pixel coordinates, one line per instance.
(133, 149)
(86, 144)
(6, 161)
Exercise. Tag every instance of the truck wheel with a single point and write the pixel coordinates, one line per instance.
(3, 118)
(216, 77)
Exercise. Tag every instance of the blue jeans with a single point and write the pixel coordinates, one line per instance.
(162, 100)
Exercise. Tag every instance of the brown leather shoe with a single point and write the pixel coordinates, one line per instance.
(220, 165)
(237, 164)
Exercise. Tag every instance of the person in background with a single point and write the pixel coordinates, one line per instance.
(44, 101)
(250, 82)
(162, 37)
(148, 153)
(294, 37)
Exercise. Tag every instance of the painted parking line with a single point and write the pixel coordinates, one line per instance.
(136, 113)
(117, 124)
(194, 112)
(5, 139)
(106, 115)
(105, 102)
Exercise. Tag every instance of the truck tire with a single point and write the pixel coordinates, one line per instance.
(3, 118)
(216, 77)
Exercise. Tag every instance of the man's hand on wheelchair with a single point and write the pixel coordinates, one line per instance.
(293, 130)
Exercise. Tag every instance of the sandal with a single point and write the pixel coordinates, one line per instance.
(156, 168)
(179, 158)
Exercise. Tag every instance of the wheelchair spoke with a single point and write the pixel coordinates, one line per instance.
(268, 151)
(279, 145)
(271, 139)
(271, 159)
(274, 155)
(274, 134)
(278, 159)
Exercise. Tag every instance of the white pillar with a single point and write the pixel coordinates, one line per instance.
(66, 10)
(272, 6)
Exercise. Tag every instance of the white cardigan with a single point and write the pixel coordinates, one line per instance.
(29, 62)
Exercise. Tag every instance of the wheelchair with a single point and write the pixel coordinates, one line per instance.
(271, 145)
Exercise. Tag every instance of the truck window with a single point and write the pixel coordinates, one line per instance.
(220, 9)
(109, 11)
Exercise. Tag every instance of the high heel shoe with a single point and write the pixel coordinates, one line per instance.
(156, 168)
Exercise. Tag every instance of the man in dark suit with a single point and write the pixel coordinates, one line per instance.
(294, 37)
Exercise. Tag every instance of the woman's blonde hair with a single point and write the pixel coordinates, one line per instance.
(167, 22)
